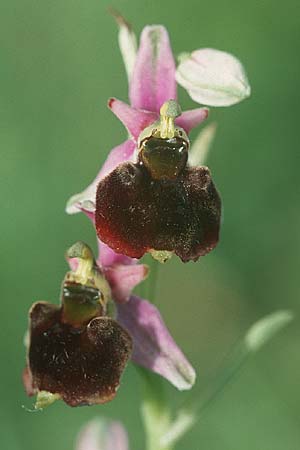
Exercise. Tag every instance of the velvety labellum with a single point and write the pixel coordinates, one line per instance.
(83, 365)
(136, 213)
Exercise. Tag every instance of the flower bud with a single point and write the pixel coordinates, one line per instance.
(212, 77)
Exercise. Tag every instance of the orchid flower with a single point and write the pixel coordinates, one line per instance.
(185, 220)
(78, 352)
(149, 88)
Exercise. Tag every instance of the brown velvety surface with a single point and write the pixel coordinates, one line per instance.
(83, 365)
(135, 213)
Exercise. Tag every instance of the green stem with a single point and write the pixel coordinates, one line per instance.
(155, 411)
(152, 282)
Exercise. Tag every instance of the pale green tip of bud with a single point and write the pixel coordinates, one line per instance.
(45, 399)
(266, 328)
(170, 109)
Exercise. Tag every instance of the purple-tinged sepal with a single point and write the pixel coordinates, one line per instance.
(153, 78)
(153, 346)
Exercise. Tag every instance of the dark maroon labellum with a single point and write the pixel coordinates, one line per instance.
(136, 213)
(164, 158)
(82, 365)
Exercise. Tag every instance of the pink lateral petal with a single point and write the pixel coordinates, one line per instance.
(102, 434)
(153, 346)
(192, 118)
(107, 257)
(134, 120)
(153, 79)
(123, 279)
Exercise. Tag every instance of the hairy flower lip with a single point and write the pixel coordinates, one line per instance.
(141, 214)
(81, 365)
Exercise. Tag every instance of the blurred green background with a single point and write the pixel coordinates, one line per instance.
(59, 63)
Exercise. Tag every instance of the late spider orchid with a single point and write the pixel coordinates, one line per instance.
(149, 88)
(159, 202)
(78, 351)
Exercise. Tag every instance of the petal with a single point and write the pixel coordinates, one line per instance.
(191, 119)
(123, 279)
(102, 434)
(136, 214)
(86, 198)
(107, 257)
(202, 145)
(134, 120)
(153, 346)
(213, 77)
(153, 79)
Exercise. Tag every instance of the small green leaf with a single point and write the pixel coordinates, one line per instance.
(266, 328)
